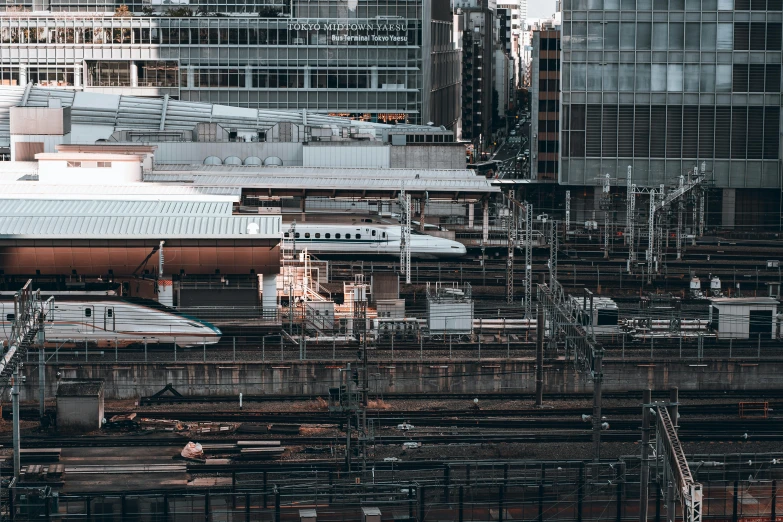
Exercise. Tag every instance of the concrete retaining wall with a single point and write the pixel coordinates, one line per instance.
(125, 381)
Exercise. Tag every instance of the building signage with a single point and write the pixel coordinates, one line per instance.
(357, 32)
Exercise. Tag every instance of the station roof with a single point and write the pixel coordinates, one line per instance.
(356, 173)
(744, 301)
(357, 183)
(161, 114)
(113, 219)
(12, 189)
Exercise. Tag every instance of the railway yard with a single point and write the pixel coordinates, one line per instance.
(273, 343)
(449, 426)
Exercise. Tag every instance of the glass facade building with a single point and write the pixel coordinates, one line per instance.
(664, 84)
(386, 61)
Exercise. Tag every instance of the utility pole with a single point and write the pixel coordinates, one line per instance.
(644, 493)
(528, 259)
(598, 377)
(540, 321)
(567, 214)
(15, 411)
(511, 225)
(41, 367)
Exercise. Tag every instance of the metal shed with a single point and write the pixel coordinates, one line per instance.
(80, 405)
(743, 317)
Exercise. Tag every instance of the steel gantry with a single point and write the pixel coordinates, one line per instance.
(511, 243)
(520, 212)
(673, 474)
(580, 342)
(405, 235)
(659, 200)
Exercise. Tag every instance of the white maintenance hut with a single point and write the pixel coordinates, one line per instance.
(743, 317)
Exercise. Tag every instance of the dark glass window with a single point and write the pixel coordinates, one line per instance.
(739, 121)
(771, 132)
(641, 131)
(722, 131)
(609, 131)
(625, 134)
(673, 131)
(741, 36)
(739, 78)
(593, 134)
(706, 130)
(755, 132)
(657, 131)
(690, 131)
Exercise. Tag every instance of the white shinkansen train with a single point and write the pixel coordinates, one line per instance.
(367, 239)
(104, 321)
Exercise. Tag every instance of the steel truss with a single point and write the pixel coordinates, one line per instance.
(405, 235)
(674, 470)
(580, 342)
(661, 200)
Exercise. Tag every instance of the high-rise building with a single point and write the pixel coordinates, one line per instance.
(662, 85)
(545, 104)
(477, 24)
(386, 60)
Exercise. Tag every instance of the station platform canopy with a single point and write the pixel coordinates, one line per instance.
(121, 237)
(330, 182)
(118, 219)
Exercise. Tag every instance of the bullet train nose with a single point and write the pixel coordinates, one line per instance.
(458, 249)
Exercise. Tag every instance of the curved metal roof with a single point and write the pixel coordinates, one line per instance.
(138, 112)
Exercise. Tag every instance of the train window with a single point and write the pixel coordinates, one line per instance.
(373, 233)
(327, 235)
(383, 235)
(358, 236)
(286, 234)
(307, 235)
(109, 312)
(87, 312)
(297, 235)
(9, 317)
(337, 236)
(317, 235)
(347, 236)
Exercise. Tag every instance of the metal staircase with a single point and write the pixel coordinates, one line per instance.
(27, 313)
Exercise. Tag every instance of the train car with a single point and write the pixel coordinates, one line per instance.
(106, 321)
(368, 239)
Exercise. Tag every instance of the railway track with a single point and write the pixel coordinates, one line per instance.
(543, 437)
(548, 397)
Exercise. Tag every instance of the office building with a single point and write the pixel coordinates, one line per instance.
(545, 104)
(662, 85)
(387, 61)
(477, 26)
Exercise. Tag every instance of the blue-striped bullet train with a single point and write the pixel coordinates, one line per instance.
(106, 320)
(367, 239)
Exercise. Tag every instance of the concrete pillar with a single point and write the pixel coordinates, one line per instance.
(248, 77)
(307, 81)
(303, 206)
(471, 214)
(134, 75)
(485, 222)
(23, 75)
(191, 76)
(77, 75)
(422, 206)
(373, 77)
(269, 295)
(729, 207)
(166, 291)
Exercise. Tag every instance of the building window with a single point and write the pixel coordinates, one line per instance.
(104, 164)
(74, 164)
